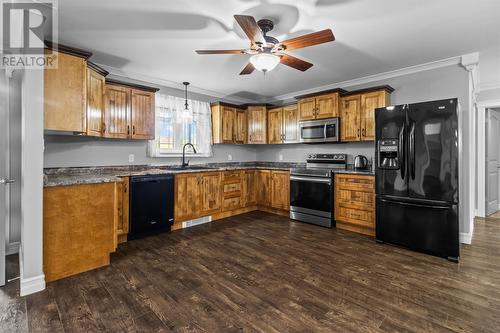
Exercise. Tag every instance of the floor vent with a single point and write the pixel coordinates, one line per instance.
(201, 220)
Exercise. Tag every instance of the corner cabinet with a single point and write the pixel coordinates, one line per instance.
(129, 112)
(229, 124)
(283, 125)
(318, 107)
(257, 124)
(357, 113)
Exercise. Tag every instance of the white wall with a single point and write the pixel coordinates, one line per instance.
(31, 252)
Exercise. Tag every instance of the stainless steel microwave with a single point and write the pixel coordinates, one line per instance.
(315, 131)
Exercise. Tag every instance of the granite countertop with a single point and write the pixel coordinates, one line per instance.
(95, 175)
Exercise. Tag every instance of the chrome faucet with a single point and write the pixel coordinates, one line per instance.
(184, 163)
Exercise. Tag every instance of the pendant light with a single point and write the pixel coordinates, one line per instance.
(186, 105)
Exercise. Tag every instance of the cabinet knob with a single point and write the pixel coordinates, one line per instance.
(128, 129)
(103, 127)
(133, 130)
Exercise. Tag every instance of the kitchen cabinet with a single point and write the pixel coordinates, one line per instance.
(73, 94)
(355, 203)
(196, 195)
(280, 189)
(283, 125)
(357, 115)
(229, 124)
(318, 107)
(79, 228)
(257, 124)
(263, 193)
(232, 190)
(129, 113)
(122, 197)
(250, 188)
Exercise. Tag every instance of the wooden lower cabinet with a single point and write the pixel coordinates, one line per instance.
(280, 190)
(79, 228)
(263, 193)
(232, 190)
(122, 197)
(250, 187)
(355, 203)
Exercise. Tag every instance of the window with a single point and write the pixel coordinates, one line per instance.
(176, 126)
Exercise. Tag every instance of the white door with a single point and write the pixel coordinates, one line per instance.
(4, 167)
(493, 163)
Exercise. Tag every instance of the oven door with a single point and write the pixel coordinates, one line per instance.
(311, 195)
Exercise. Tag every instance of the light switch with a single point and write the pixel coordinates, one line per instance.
(131, 158)
(229, 157)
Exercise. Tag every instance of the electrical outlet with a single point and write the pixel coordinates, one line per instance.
(280, 157)
(229, 157)
(131, 158)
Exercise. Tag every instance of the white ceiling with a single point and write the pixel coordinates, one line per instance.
(157, 38)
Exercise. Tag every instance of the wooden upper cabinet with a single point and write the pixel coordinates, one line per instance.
(327, 106)
(65, 94)
(307, 108)
(95, 102)
(142, 114)
(257, 124)
(369, 102)
(319, 107)
(240, 126)
(116, 111)
(228, 119)
(349, 118)
(129, 113)
(275, 126)
(358, 113)
(280, 190)
(290, 124)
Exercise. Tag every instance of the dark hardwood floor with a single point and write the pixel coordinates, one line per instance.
(261, 273)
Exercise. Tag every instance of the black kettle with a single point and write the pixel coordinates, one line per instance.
(360, 162)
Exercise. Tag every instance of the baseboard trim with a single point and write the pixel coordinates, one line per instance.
(466, 237)
(32, 285)
(12, 248)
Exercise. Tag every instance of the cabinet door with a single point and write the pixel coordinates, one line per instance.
(263, 191)
(249, 188)
(123, 209)
(187, 197)
(142, 114)
(274, 128)
(307, 108)
(327, 106)
(349, 118)
(210, 193)
(228, 120)
(240, 126)
(369, 102)
(95, 103)
(65, 94)
(116, 112)
(257, 125)
(290, 124)
(280, 190)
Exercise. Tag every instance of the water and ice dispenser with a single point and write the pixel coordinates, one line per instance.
(389, 154)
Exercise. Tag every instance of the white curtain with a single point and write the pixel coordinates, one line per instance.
(176, 126)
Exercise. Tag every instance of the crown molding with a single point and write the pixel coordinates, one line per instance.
(169, 84)
(375, 77)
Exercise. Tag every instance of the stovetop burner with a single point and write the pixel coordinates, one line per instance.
(321, 165)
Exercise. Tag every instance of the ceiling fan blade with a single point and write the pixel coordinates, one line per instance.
(220, 51)
(248, 69)
(250, 27)
(296, 63)
(315, 38)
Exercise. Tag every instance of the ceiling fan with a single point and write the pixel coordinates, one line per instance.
(266, 51)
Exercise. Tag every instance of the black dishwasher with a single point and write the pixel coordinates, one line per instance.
(151, 205)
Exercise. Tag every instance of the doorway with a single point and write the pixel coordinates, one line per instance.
(492, 161)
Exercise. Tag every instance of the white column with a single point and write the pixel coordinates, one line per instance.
(31, 252)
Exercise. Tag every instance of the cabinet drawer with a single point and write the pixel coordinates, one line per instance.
(231, 203)
(355, 198)
(360, 183)
(232, 187)
(230, 176)
(356, 216)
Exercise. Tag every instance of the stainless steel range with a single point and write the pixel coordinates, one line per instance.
(312, 189)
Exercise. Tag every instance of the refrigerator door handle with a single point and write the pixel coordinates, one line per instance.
(402, 158)
(412, 151)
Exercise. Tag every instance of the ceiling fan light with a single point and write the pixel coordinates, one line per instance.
(264, 62)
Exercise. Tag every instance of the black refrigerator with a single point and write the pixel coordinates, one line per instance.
(416, 173)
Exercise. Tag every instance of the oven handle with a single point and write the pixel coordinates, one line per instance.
(312, 179)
